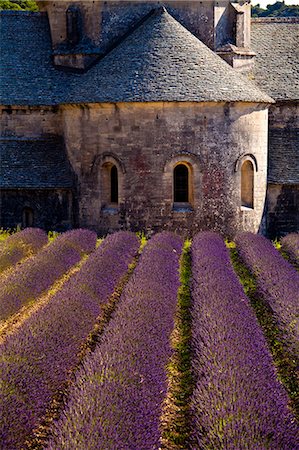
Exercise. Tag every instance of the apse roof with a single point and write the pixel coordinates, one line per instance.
(276, 43)
(158, 61)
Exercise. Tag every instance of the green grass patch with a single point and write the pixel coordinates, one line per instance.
(4, 233)
(176, 417)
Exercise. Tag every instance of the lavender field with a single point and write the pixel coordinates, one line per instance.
(103, 343)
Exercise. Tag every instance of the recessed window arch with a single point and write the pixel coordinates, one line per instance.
(110, 184)
(247, 184)
(27, 217)
(181, 183)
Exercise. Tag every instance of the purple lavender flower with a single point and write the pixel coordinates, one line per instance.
(21, 244)
(290, 244)
(277, 281)
(36, 360)
(238, 403)
(35, 276)
(116, 400)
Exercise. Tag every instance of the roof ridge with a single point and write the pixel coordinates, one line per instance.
(275, 19)
(239, 79)
(139, 23)
(23, 12)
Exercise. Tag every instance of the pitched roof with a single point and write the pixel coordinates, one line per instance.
(34, 164)
(276, 71)
(158, 61)
(284, 156)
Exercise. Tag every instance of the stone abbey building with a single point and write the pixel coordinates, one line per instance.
(146, 115)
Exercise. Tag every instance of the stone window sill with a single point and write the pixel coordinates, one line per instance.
(182, 208)
(110, 210)
(246, 208)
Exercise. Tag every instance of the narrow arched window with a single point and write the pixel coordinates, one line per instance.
(73, 25)
(113, 185)
(28, 217)
(247, 184)
(181, 184)
(109, 185)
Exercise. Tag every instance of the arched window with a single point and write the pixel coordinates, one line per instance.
(109, 185)
(113, 185)
(247, 184)
(73, 25)
(181, 184)
(27, 217)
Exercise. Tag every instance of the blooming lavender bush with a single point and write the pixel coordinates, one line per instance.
(116, 400)
(290, 244)
(277, 281)
(36, 275)
(238, 403)
(19, 245)
(37, 358)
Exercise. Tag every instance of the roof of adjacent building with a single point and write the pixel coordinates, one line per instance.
(276, 43)
(284, 156)
(34, 164)
(158, 61)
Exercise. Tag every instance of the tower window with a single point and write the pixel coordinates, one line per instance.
(247, 184)
(113, 185)
(27, 217)
(181, 184)
(73, 25)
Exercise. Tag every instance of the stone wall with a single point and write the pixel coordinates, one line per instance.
(105, 22)
(30, 122)
(52, 209)
(282, 210)
(146, 141)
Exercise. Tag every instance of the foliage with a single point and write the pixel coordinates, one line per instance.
(18, 5)
(37, 359)
(52, 235)
(122, 385)
(238, 401)
(4, 234)
(278, 9)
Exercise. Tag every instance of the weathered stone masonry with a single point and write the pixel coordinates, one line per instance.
(147, 141)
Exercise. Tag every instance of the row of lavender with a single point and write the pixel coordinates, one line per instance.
(277, 281)
(290, 244)
(238, 401)
(125, 376)
(35, 275)
(20, 245)
(116, 400)
(36, 360)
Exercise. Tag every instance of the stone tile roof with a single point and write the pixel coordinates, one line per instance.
(34, 164)
(159, 61)
(276, 43)
(284, 156)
